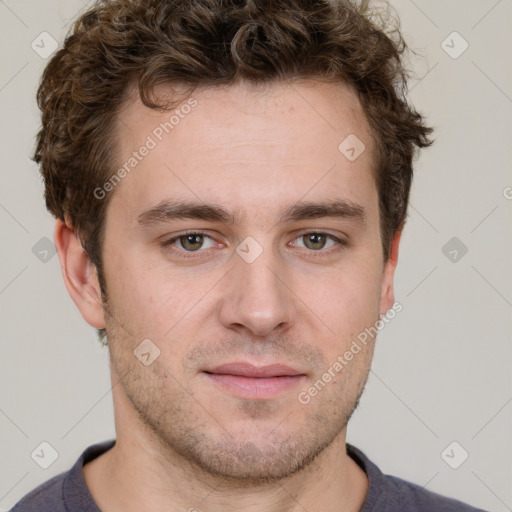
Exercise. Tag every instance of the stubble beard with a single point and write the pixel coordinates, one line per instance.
(190, 432)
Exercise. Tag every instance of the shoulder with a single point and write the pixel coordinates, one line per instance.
(414, 498)
(46, 497)
(387, 493)
(66, 492)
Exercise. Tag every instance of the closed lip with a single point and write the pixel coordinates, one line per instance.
(244, 369)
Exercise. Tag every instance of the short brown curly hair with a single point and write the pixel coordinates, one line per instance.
(145, 43)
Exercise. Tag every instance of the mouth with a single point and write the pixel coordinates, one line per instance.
(255, 382)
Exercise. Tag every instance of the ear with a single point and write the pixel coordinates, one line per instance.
(387, 292)
(79, 273)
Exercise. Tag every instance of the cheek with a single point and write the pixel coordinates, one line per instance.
(346, 300)
(151, 300)
(132, 292)
(351, 312)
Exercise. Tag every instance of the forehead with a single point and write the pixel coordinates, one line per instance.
(261, 108)
(244, 143)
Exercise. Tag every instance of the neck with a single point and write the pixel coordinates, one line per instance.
(138, 475)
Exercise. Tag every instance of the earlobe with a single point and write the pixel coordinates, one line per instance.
(80, 276)
(387, 297)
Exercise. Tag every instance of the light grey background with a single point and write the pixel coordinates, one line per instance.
(442, 368)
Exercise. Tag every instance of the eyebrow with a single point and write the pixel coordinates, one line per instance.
(167, 211)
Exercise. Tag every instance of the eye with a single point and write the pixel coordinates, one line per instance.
(194, 242)
(190, 242)
(317, 241)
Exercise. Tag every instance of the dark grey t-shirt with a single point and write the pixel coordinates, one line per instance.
(67, 492)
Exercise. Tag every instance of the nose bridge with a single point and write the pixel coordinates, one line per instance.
(257, 297)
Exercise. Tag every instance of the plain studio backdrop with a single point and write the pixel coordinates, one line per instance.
(437, 408)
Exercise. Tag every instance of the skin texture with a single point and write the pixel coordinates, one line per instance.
(184, 442)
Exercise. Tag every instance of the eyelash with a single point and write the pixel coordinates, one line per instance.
(340, 243)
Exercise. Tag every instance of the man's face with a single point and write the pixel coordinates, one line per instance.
(297, 292)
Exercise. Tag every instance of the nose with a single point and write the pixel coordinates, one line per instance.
(257, 298)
